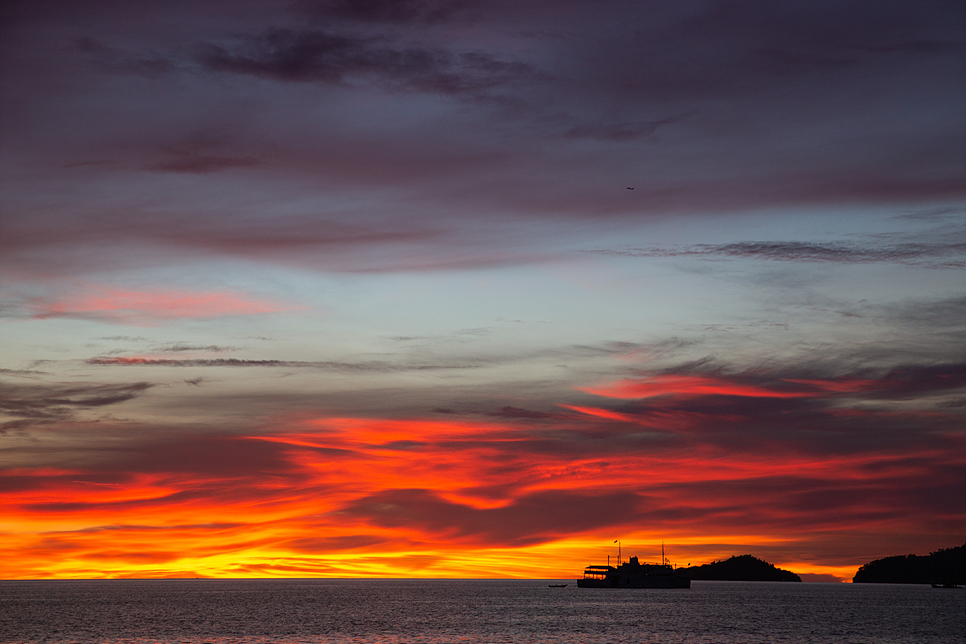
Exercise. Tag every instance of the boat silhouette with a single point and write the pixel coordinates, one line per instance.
(634, 574)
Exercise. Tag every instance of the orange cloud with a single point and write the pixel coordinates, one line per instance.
(429, 497)
(716, 465)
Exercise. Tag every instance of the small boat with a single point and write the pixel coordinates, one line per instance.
(557, 585)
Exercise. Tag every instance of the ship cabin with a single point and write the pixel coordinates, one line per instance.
(598, 572)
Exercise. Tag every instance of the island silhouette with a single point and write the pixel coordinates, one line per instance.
(741, 568)
(946, 566)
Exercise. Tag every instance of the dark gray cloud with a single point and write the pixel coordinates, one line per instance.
(911, 381)
(384, 11)
(317, 56)
(173, 454)
(410, 360)
(178, 347)
(516, 412)
(35, 404)
(811, 503)
(200, 164)
(360, 367)
(938, 316)
(745, 46)
(950, 254)
(22, 372)
(531, 519)
(295, 240)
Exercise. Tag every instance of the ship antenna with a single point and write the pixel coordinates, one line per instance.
(663, 558)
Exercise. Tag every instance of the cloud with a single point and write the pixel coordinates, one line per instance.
(147, 307)
(179, 347)
(203, 152)
(363, 245)
(782, 409)
(688, 103)
(395, 12)
(411, 135)
(37, 404)
(321, 544)
(937, 315)
(628, 131)
(114, 59)
(693, 385)
(746, 45)
(531, 519)
(516, 412)
(370, 366)
(143, 472)
(912, 381)
(202, 164)
(510, 483)
(930, 255)
(317, 56)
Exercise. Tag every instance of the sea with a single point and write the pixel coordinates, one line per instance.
(263, 611)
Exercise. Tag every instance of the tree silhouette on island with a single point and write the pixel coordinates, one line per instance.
(741, 568)
(945, 566)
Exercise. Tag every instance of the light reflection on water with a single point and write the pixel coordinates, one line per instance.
(434, 612)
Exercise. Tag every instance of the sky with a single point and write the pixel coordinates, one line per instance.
(447, 288)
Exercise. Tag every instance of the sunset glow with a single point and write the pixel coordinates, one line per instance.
(454, 498)
(439, 289)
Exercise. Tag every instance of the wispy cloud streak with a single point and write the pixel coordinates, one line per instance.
(34, 404)
(371, 366)
(931, 255)
(146, 307)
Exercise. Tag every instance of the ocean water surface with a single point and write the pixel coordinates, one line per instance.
(442, 611)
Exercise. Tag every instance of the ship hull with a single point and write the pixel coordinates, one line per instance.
(645, 581)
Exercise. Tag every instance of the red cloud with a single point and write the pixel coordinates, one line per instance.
(312, 494)
(840, 385)
(662, 385)
(602, 413)
(901, 382)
